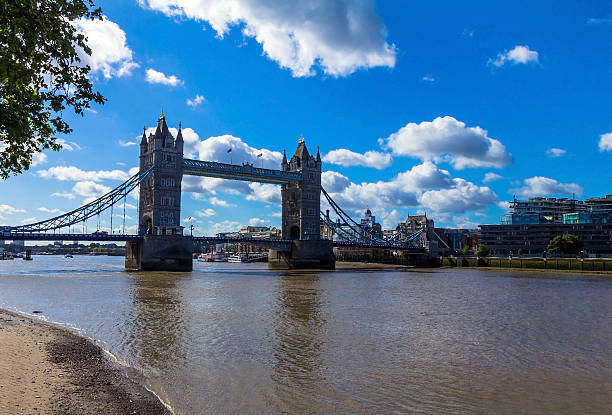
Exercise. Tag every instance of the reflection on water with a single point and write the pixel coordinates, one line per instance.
(237, 338)
(154, 325)
(297, 351)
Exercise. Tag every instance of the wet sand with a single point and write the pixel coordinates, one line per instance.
(49, 370)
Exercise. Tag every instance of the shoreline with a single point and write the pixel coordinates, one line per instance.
(48, 369)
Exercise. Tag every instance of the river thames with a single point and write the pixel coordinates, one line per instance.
(237, 338)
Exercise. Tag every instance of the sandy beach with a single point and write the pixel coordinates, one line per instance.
(49, 370)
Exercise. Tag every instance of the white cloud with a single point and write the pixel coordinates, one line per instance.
(348, 158)
(90, 189)
(222, 203)
(555, 152)
(339, 36)
(390, 220)
(127, 143)
(605, 142)
(61, 194)
(218, 227)
(489, 177)
(38, 159)
(9, 210)
(76, 174)
(29, 220)
(156, 77)
(333, 181)
(263, 192)
(47, 210)
(517, 55)
(110, 54)
(195, 101)
(424, 185)
(68, 145)
(446, 139)
(428, 78)
(463, 196)
(256, 222)
(504, 205)
(545, 186)
(205, 213)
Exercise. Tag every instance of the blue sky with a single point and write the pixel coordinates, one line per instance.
(445, 107)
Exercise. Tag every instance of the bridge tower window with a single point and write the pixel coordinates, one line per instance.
(294, 233)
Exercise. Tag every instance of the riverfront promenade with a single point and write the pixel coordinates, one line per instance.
(49, 370)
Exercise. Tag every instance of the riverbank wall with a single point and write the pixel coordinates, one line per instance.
(552, 264)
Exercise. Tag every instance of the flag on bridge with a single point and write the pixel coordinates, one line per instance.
(229, 150)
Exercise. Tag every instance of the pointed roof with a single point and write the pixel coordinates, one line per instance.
(318, 155)
(301, 151)
(284, 156)
(144, 136)
(179, 136)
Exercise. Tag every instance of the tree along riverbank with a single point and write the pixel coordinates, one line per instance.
(552, 264)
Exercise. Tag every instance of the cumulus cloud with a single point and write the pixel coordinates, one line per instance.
(156, 77)
(545, 186)
(425, 186)
(9, 210)
(38, 159)
(333, 181)
(555, 152)
(263, 192)
(489, 177)
(256, 222)
(339, 36)
(205, 213)
(463, 196)
(218, 227)
(346, 158)
(219, 202)
(195, 101)
(110, 54)
(447, 139)
(517, 55)
(90, 189)
(74, 173)
(605, 142)
(127, 143)
(402, 190)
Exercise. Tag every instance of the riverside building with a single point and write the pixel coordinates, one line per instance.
(533, 223)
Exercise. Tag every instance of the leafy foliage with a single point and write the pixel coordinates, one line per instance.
(40, 76)
(483, 251)
(466, 250)
(565, 244)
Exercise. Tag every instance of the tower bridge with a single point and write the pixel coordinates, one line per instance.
(159, 243)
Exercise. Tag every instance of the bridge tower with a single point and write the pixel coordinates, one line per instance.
(302, 200)
(159, 211)
(163, 246)
(301, 207)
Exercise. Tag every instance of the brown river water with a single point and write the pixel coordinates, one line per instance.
(237, 338)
